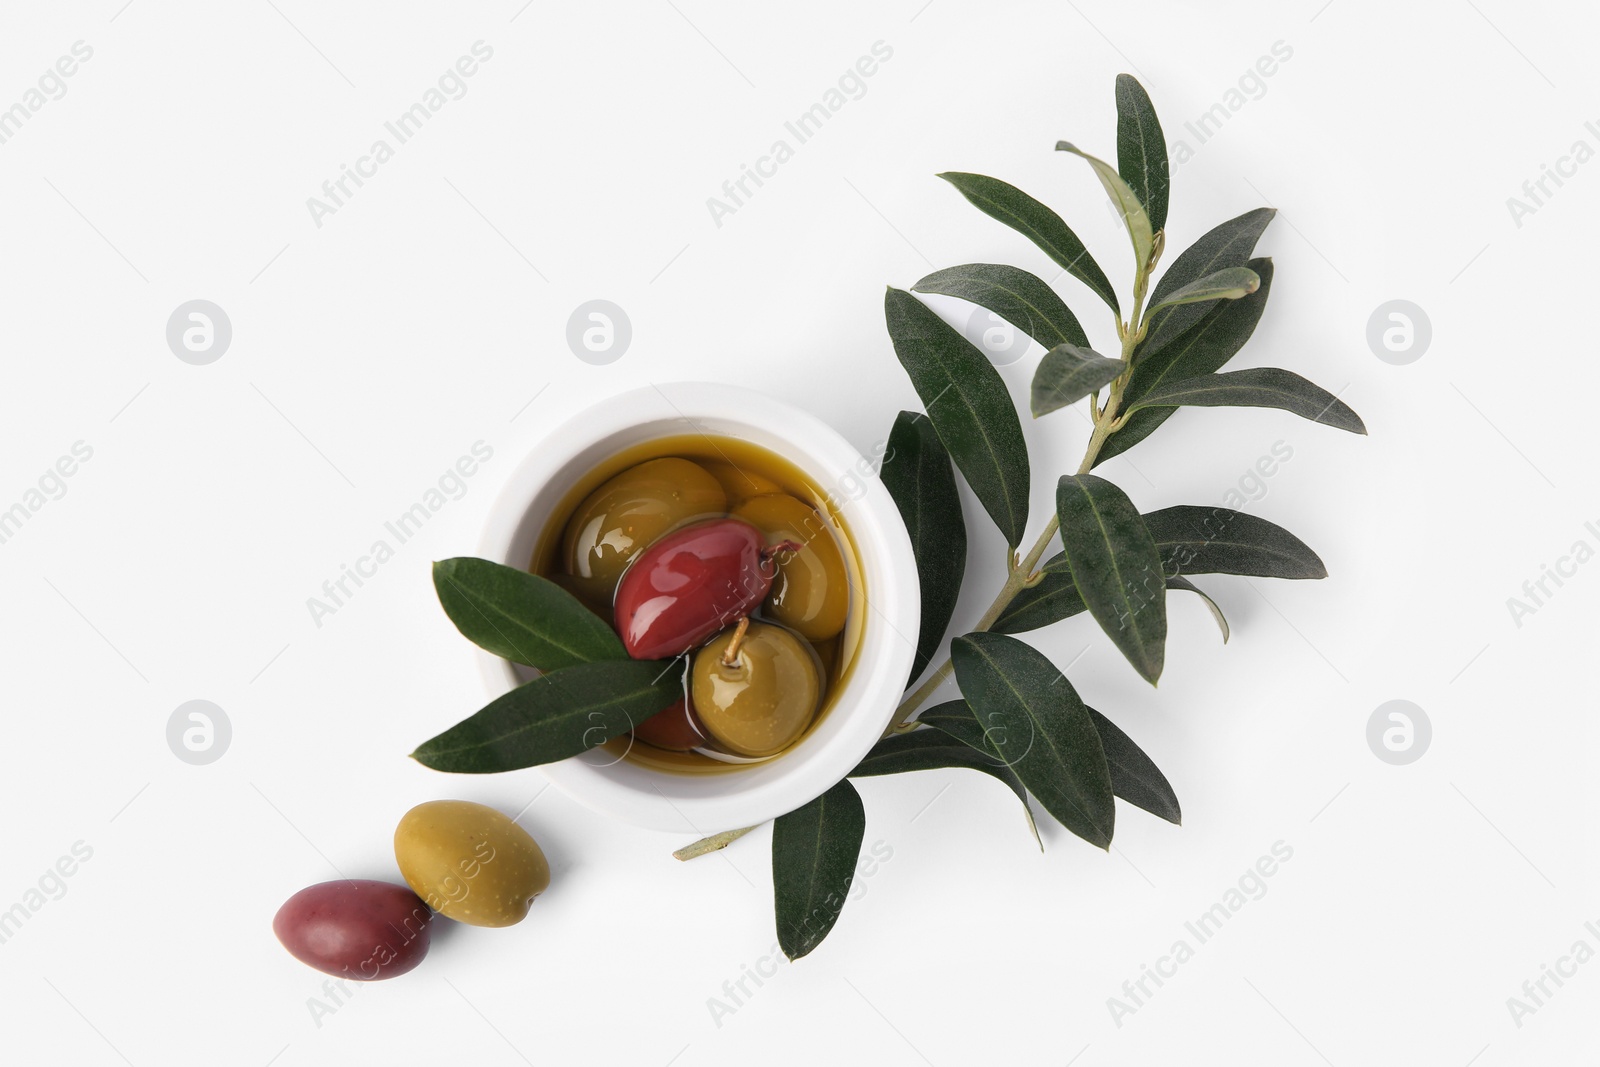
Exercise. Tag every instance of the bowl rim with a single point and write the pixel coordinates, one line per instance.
(709, 803)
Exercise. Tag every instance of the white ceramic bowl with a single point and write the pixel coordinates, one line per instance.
(708, 803)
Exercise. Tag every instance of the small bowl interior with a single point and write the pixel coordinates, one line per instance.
(706, 802)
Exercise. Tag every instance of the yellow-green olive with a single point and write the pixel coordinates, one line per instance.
(740, 483)
(469, 862)
(811, 594)
(621, 518)
(761, 699)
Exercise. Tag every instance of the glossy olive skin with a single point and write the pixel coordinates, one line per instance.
(360, 930)
(626, 514)
(690, 584)
(764, 702)
(469, 862)
(740, 483)
(811, 593)
(676, 729)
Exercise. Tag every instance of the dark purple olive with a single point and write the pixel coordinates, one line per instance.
(690, 584)
(360, 930)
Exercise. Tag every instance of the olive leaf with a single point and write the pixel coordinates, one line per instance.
(520, 616)
(557, 715)
(1134, 775)
(1201, 540)
(1020, 298)
(923, 750)
(1228, 284)
(1178, 581)
(1260, 387)
(1142, 149)
(970, 408)
(1116, 568)
(1033, 719)
(1010, 205)
(1206, 347)
(1227, 245)
(814, 853)
(916, 471)
(1067, 374)
(1190, 540)
(1126, 202)
(1055, 598)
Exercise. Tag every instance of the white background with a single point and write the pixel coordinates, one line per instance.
(369, 353)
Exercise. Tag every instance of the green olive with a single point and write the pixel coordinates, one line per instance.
(469, 862)
(740, 483)
(762, 701)
(621, 518)
(811, 594)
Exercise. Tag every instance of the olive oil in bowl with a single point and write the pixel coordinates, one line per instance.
(638, 496)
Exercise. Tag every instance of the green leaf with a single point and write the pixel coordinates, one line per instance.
(1228, 284)
(1134, 776)
(814, 854)
(1142, 149)
(922, 750)
(1178, 581)
(916, 471)
(955, 717)
(1067, 374)
(1033, 719)
(1260, 387)
(1201, 540)
(1056, 598)
(1228, 245)
(1115, 565)
(1125, 200)
(1020, 298)
(557, 715)
(1039, 224)
(970, 408)
(1053, 599)
(520, 616)
(1207, 345)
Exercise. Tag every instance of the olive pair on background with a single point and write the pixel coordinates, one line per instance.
(465, 861)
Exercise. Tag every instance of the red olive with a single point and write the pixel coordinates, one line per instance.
(676, 729)
(690, 584)
(361, 930)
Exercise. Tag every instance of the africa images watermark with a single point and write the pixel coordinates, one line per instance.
(737, 992)
(1537, 992)
(51, 885)
(1536, 592)
(51, 485)
(51, 85)
(1537, 192)
(451, 485)
(1251, 85)
(336, 192)
(737, 191)
(1251, 885)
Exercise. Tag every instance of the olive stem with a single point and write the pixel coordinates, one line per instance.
(730, 655)
(711, 844)
(1021, 573)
